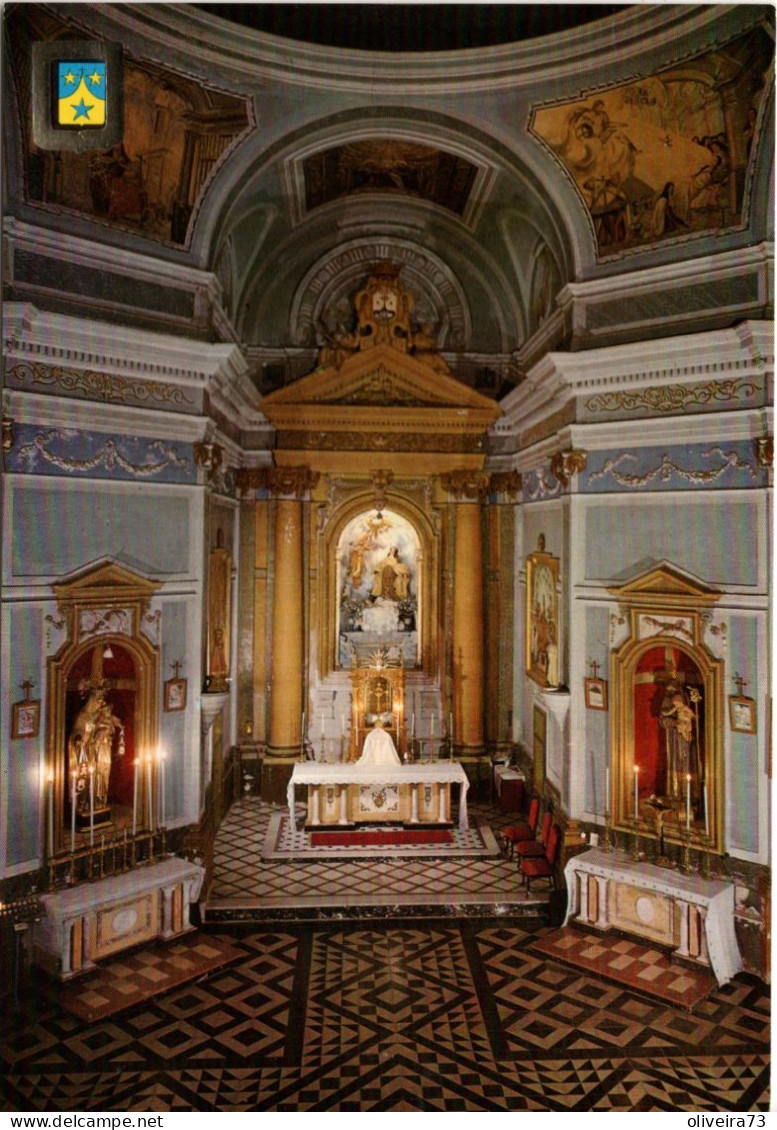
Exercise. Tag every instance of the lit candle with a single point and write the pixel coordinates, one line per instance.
(636, 791)
(687, 802)
(150, 794)
(51, 815)
(91, 806)
(706, 813)
(73, 814)
(136, 774)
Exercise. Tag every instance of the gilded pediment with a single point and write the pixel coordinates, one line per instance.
(102, 582)
(664, 584)
(381, 377)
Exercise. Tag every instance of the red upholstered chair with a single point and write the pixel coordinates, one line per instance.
(542, 866)
(529, 848)
(516, 833)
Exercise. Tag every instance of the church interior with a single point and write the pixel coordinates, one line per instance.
(386, 514)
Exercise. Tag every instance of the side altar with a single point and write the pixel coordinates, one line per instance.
(691, 915)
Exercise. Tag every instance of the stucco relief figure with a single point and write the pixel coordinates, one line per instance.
(90, 744)
(391, 577)
(679, 720)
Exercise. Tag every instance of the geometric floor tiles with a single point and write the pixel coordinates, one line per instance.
(248, 888)
(406, 1016)
(641, 967)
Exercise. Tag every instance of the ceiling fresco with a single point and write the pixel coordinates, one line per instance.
(384, 164)
(668, 155)
(176, 132)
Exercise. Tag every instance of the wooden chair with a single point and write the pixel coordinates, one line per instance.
(527, 849)
(543, 866)
(516, 833)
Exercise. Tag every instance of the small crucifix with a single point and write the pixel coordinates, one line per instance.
(740, 682)
(594, 668)
(27, 686)
(176, 668)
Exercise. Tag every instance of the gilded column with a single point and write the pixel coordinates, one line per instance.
(288, 485)
(467, 487)
(286, 663)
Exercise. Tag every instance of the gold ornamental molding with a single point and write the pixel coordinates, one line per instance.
(565, 464)
(278, 481)
(209, 456)
(7, 433)
(673, 398)
(764, 451)
(97, 386)
(506, 482)
(466, 484)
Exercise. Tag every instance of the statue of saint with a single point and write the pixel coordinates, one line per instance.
(391, 577)
(90, 745)
(219, 613)
(677, 718)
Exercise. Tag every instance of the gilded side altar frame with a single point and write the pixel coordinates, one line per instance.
(666, 611)
(108, 587)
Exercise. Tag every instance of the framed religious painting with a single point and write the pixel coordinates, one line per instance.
(596, 694)
(175, 695)
(542, 620)
(25, 719)
(741, 713)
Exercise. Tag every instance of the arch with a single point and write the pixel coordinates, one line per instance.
(634, 743)
(426, 574)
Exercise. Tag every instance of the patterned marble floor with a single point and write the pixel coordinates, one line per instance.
(415, 1016)
(246, 887)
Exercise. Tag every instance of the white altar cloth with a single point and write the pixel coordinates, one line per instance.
(352, 773)
(714, 896)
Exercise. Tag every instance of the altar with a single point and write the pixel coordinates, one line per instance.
(693, 916)
(351, 793)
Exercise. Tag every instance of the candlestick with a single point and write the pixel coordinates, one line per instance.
(161, 757)
(73, 815)
(135, 797)
(636, 792)
(91, 806)
(706, 813)
(51, 815)
(687, 802)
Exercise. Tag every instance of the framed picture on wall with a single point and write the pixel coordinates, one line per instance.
(741, 713)
(25, 719)
(542, 620)
(175, 695)
(596, 694)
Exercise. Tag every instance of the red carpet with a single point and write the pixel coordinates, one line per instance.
(381, 837)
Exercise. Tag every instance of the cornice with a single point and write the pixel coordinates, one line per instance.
(247, 55)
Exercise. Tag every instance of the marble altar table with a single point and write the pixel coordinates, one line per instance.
(401, 787)
(91, 921)
(694, 916)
